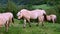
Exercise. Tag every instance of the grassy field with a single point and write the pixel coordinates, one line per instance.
(44, 6)
(17, 28)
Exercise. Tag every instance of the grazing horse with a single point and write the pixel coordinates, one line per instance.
(34, 14)
(51, 17)
(5, 19)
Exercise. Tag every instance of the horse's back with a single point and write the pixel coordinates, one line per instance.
(31, 14)
(53, 16)
(8, 14)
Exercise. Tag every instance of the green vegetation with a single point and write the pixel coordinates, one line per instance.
(17, 28)
(50, 6)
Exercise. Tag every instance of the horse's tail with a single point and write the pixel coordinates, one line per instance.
(13, 20)
(45, 18)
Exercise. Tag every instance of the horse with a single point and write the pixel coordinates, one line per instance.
(33, 14)
(5, 19)
(51, 17)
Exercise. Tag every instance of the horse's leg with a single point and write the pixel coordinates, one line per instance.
(6, 25)
(53, 21)
(24, 25)
(29, 22)
(42, 23)
(9, 23)
(41, 20)
(0, 26)
(38, 22)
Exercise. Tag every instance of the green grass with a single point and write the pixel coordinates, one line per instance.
(17, 28)
(44, 6)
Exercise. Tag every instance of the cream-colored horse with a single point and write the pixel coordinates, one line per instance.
(5, 19)
(51, 17)
(34, 14)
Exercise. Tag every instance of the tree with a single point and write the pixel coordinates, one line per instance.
(11, 7)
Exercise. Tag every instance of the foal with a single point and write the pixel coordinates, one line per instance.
(51, 17)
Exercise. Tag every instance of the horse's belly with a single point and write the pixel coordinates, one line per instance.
(33, 16)
(49, 19)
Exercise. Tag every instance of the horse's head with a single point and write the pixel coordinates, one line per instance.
(19, 15)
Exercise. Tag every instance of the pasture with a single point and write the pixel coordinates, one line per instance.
(13, 6)
(17, 28)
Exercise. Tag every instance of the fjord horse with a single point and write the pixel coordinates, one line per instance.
(34, 14)
(5, 19)
(51, 17)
